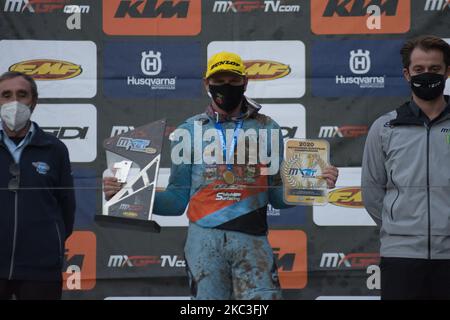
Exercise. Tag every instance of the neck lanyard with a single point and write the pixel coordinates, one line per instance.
(221, 132)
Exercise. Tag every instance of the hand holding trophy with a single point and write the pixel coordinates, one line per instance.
(301, 172)
(138, 150)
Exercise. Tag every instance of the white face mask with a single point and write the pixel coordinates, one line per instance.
(15, 115)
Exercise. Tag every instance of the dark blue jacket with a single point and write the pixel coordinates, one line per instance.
(36, 219)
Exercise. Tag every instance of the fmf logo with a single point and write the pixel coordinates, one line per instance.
(346, 197)
(289, 247)
(351, 260)
(351, 16)
(343, 132)
(259, 70)
(80, 261)
(152, 17)
(47, 69)
(237, 6)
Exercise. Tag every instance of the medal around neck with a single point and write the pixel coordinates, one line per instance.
(138, 150)
(228, 177)
(304, 162)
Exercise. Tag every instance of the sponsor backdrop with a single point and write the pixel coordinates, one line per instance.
(322, 69)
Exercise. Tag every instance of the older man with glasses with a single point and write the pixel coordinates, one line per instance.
(36, 196)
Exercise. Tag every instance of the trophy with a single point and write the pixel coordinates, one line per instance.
(138, 150)
(304, 161)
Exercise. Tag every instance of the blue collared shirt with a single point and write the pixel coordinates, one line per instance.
(16, 150)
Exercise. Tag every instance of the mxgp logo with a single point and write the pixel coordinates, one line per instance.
(43, 6)
(350, 261)
(342, 132)
(121, 261)
(116, 130)
(34, 6)
(237, 6)
(360, 61)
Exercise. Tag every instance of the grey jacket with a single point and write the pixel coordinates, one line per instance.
(406, 183)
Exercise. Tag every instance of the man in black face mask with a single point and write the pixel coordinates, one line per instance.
(406, 178)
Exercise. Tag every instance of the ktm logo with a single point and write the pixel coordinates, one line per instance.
(152, 17)
(167, 9)
(289, 249)
(346, 197)
(47, 69)
(350, 16)
(259, 70)
(80, 261)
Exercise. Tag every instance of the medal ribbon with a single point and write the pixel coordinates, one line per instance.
(221, 132)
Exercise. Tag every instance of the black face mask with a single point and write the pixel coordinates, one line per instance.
(428, 86)
(226, 96)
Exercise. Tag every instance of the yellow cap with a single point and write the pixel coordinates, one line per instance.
(225, 61)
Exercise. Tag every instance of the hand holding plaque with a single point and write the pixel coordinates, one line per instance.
(304, 161)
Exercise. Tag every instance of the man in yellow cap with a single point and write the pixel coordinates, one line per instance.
(227, 251)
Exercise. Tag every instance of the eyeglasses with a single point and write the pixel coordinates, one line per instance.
(13, 184)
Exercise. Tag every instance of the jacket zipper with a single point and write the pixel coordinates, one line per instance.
(396, 198)
(428, 191)
(13, 254)
(59, 240)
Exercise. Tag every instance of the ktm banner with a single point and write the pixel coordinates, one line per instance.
(354, 16)
(80, 262)
(152, 17)
(289, 248)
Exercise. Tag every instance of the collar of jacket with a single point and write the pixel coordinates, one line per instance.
(40, 138)
(406, 116)
(249, 110)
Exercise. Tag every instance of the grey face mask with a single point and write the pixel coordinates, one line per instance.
(15, 115)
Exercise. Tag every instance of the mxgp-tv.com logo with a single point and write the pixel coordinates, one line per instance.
(252, 147)
(339, 260)
(44, 6)
(250, 6)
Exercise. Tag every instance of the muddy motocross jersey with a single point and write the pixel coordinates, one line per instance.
(215, 200)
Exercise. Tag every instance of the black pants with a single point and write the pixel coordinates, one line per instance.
(30, 290)
(414, 279)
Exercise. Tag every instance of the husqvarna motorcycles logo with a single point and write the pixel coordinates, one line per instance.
(151, 63)
(360, 61)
